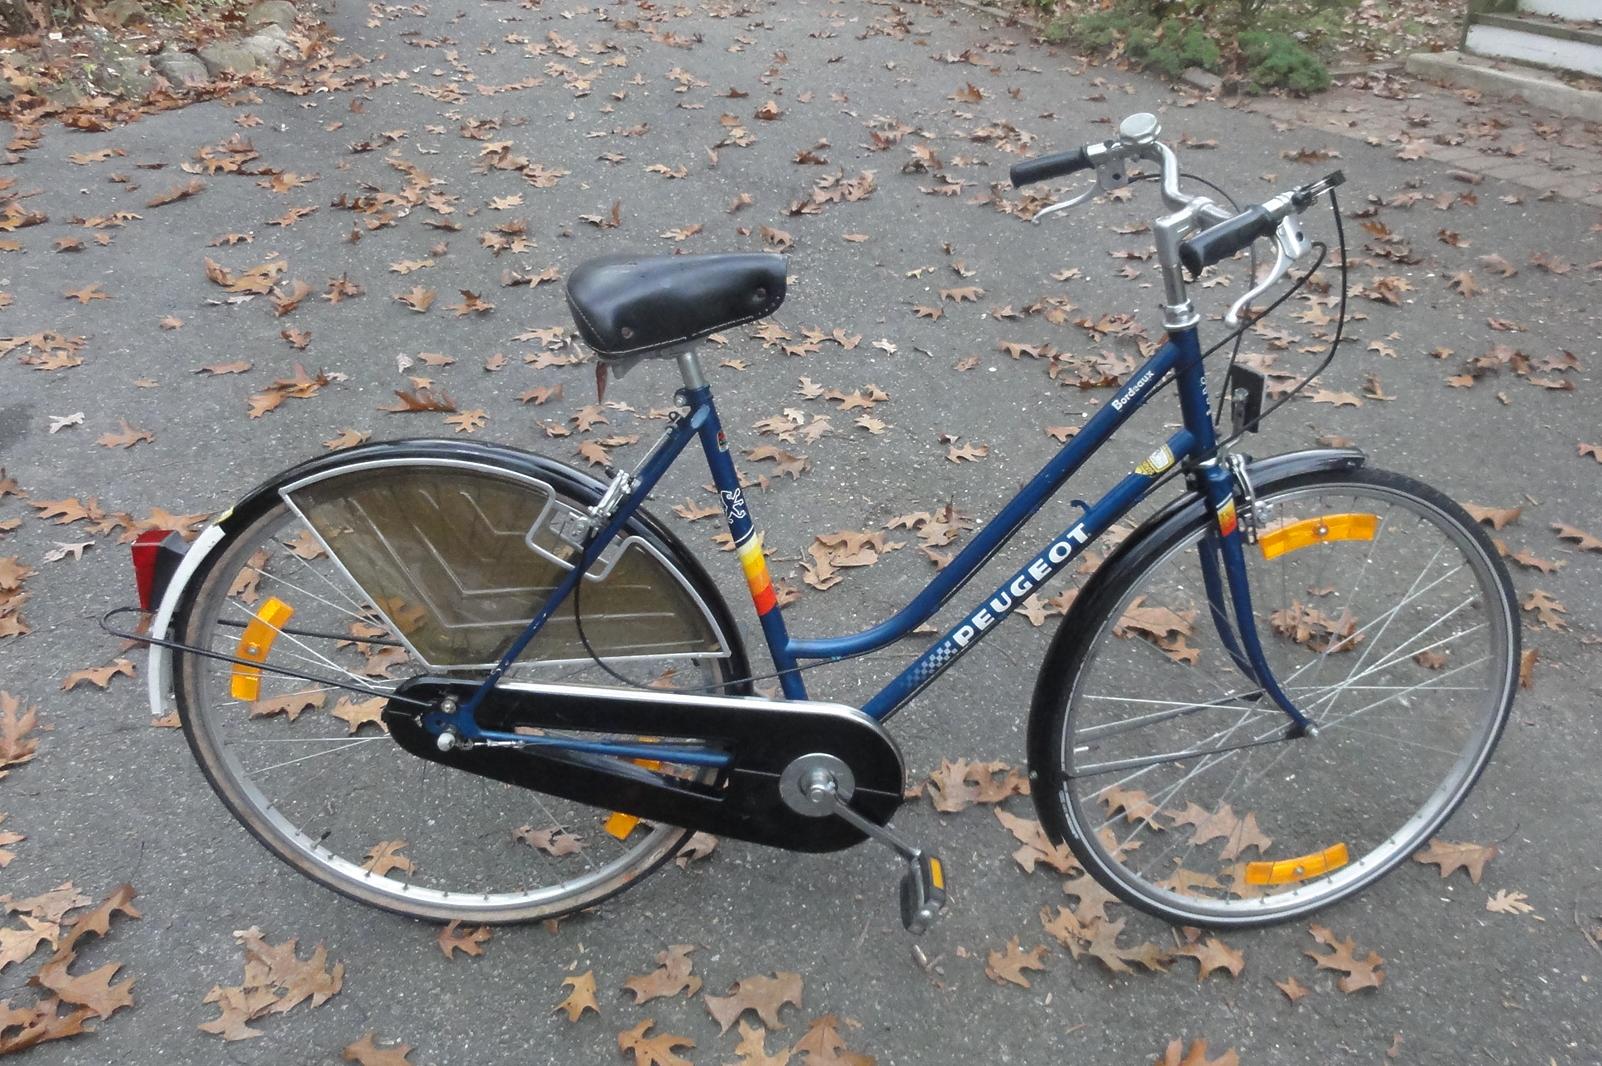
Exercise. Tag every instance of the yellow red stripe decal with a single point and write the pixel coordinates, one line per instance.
(755, 566)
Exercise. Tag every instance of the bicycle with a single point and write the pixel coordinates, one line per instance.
(505, 637)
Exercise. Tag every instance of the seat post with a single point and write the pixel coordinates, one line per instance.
(690, 367)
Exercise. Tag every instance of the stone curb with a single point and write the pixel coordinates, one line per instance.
(1535, 87)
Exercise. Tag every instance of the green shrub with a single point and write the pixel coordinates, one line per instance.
(1269, 43)
(1277, 60)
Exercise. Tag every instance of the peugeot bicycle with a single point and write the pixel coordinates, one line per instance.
(461, 681)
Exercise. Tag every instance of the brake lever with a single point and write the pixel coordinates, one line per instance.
(1289, 245)
(1064, 205)
(1111, 173)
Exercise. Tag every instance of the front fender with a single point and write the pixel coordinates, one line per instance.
(1052, 681)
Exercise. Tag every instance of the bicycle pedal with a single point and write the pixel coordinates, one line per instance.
(923, 893)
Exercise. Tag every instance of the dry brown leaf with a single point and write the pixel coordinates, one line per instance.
(1358, 973)
(1213, 954)
(275, 981)
(671, 977)
(238, 366)
(971, 453)
(1506, 902)
(554, 842)
(822, 1045)
(366, 1052)
(386, 856)
(292, 705)
(1008, 966)
(1450, 856)
(126, 438)
(469, 943)
(178, 192)
(469, 421)
(753, 1049)
(347, 438)
(1176, 1055)
(958, 784)
(1495, 517)
(1035, 846)
(1548, 611)
(1294, 990)
(417, 298)
(659, 1050)
(98, 676)
(1586, 541)
(581, 998)
(764, 995)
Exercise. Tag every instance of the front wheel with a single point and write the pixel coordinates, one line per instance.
(409, 559)
(1386, 616)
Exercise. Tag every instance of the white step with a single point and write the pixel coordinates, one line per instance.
(1570, 47)
(1575, 10)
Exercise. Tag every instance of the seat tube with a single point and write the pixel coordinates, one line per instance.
(747, 540)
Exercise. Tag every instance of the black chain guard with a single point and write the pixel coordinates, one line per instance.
(761, 736)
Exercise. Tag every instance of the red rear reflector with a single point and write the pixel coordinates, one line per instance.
(146, 553)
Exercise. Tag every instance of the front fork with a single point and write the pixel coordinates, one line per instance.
(1220, 477)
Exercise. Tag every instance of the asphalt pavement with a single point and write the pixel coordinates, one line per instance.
(674, 114)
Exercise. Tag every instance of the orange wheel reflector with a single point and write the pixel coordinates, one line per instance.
(1287, 871)
(254, 644)
(620, 825)
(1296, 535)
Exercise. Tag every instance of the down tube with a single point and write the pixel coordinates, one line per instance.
(1033, 575)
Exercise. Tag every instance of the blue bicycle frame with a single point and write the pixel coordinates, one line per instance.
(1195, 442)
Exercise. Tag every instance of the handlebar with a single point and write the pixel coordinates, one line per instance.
(1046, 167)
(1198, 233)
(1219, 242)
(1225, 239)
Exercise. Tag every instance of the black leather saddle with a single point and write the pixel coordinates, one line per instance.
(627, 305)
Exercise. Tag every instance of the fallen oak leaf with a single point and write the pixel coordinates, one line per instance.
(386, 856)
(417, 298)
(1293, 989)
(469, 943)
(1358, 974)
(1505, 902)
(1008, 966)
(238, 366)
(366, 1052)
(581, 998)
(763, 995)
(1586, 541)
(1213, 954)
(98, 676)
(86, 294)
(179, 192)
(1176, 1055)
(127, 438)
(657, 1050)
(671, 977)
(1495, 517)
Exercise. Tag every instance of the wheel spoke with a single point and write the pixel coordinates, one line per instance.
(1213, 777)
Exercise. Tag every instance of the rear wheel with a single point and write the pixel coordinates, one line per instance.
(1386, 616)
(452, 559)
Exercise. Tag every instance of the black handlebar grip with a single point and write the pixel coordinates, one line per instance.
(1046, 167)
(1219, 242)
